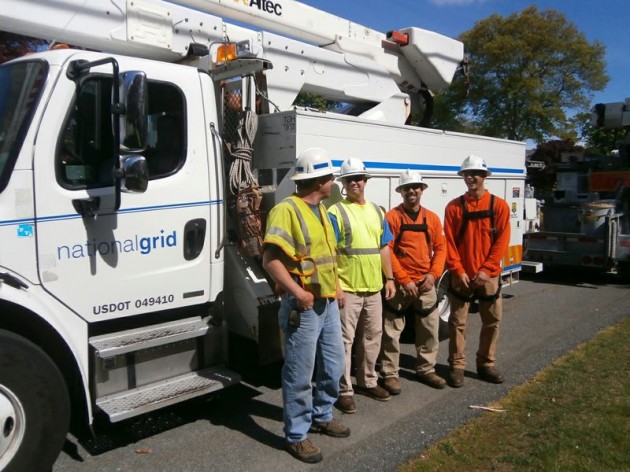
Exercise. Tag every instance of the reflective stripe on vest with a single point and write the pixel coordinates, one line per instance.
(311, 249)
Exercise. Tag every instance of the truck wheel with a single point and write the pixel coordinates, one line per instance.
(444, 305)
(34, 406)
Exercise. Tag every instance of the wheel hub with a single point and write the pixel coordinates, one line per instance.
(11, 425)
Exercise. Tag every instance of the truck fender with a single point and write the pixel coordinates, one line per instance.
(33, 314)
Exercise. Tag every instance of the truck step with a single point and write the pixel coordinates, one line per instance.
(166, 392)
(532, 267)
(109, 345)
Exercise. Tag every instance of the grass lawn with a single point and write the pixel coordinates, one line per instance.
(573, 416)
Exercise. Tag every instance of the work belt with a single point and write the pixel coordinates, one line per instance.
(474, 296)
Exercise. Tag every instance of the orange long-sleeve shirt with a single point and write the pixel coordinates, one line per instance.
(411, 258)
(476, 251)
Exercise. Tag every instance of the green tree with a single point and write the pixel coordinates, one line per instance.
(311, 100)
(599, 141)
(16, 45)
(526, 71)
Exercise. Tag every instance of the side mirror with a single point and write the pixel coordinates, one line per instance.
(134, 122)
(135, 174)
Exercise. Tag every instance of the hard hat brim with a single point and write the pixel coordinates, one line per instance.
(350, 174)
(315, 174)
(422, 184)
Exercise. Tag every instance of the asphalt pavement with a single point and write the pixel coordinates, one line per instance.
(240, 429)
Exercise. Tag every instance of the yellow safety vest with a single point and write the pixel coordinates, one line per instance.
(359, 260)
(309, 242)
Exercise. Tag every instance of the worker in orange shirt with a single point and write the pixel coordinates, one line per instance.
(418, 252)
(477, 230)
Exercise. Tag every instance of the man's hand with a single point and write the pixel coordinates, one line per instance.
(480, 279)
(341, 301)
(390, 289)
(305, 300)
(461, 281)
(427, 284)
(410, 289)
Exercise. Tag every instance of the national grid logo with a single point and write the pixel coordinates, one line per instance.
(144, 245)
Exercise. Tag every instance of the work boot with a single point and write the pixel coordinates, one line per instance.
(345, 403)
(376, 393)
(392, 385)
(490, 374)
(431, 379)
(334, 428)
(456, 378)
(305, 451)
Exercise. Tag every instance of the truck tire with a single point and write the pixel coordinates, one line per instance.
(444, 306)
(34, 406)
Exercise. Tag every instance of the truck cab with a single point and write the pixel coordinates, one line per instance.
(107, 270)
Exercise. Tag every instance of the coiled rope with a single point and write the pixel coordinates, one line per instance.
(240, 174)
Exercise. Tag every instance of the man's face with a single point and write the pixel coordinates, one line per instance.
(354, 186)
(474, 179)
(326, 182)
(411, 194)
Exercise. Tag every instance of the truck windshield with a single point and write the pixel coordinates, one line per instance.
(21, 84)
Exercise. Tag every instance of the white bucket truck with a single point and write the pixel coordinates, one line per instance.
(136, 167)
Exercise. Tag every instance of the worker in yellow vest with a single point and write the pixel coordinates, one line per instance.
(364, 261)
(299, 252)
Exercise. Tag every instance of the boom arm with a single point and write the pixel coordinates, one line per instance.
(348, 62)
(151, 28)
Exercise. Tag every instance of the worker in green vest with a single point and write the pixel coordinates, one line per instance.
(364, 261)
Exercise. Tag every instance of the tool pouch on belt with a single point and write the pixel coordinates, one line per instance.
(249, 224)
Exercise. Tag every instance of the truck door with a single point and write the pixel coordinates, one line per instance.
(154, 253)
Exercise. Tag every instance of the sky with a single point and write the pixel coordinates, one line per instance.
(607, 21)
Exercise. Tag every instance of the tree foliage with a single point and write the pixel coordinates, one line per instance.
(311, 100)
(16, 45)
(598, 141)
(526, 70)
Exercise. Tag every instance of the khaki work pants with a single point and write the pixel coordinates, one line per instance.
(491, 313)
(426, 332)
(361, 324)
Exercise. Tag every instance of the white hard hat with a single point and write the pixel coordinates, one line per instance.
(312, 163)
(473, 162)
(353, 166)
(410, 177)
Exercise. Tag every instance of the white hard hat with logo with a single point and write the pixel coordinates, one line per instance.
(411, 177)
(312, 163)
(473, 162)
(353, 166)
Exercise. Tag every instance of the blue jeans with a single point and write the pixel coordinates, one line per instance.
(315, 342)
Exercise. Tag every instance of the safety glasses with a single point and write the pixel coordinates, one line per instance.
(355, 178)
